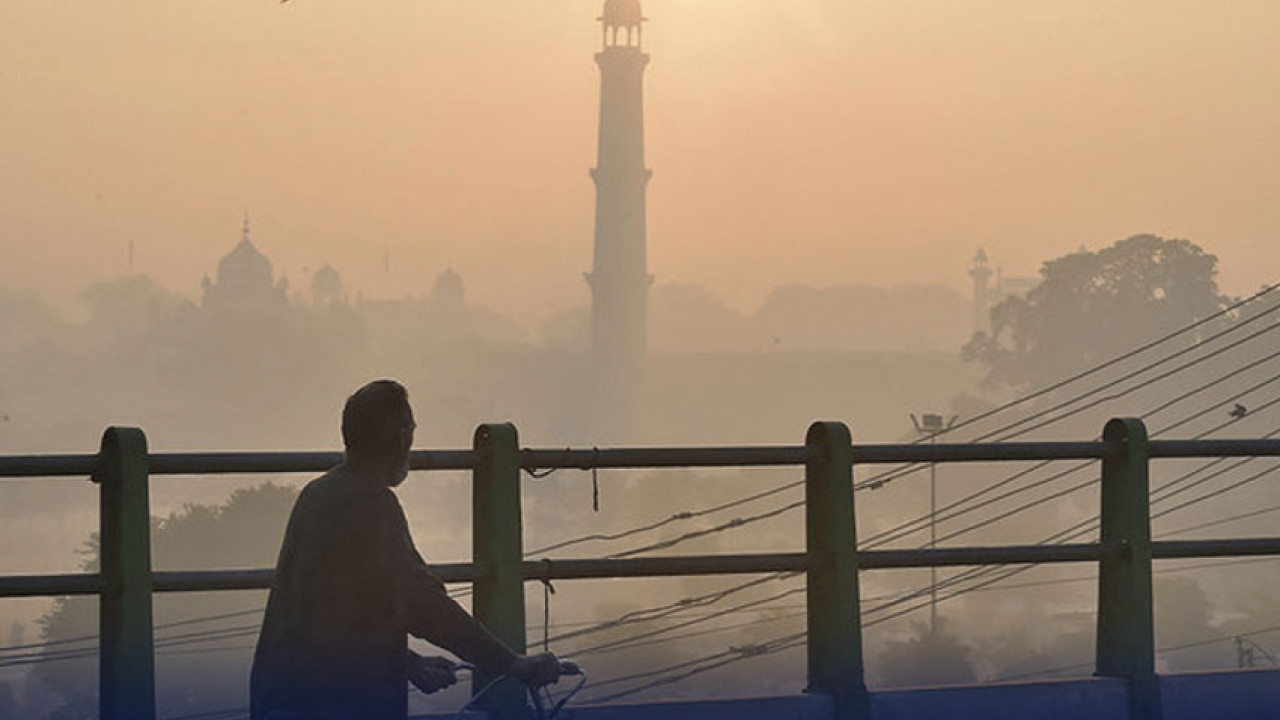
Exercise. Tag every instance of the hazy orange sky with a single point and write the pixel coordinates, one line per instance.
(819, 141)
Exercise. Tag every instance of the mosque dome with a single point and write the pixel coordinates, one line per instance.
(622, 13)
(244, 278)
(326, 286)
(244, 266)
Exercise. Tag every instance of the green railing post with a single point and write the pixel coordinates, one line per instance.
(834, 616)
(126, 660)
(1126, 626)
(497, 549)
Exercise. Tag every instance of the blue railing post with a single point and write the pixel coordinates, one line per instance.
(834, 616)
(126, 661)
(498, 552)
(1126, 625)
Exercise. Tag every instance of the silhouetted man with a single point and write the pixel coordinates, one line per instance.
(350, 588)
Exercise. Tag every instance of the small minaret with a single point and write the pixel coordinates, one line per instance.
(619, 276)
(981, 274)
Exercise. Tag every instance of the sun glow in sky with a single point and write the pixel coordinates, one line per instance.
(817, 141)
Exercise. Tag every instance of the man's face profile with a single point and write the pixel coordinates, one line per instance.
(403, 446)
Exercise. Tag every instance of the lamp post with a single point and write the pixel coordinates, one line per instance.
(930, 425)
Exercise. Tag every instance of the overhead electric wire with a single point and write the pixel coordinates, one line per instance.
(727, 657)
(162, 626)
(1176, 648)
(1239, 483)
(1140, 371)
(878, 480)
(910, 468)
(661, 611)
(677, 517)
(940, 514)
(978, 571)
(695, 534)
(577, 652)
(1225, 520)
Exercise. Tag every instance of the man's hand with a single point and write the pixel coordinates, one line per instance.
(536, 670)
(430, 674)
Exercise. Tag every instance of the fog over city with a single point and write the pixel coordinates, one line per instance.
(932, 221)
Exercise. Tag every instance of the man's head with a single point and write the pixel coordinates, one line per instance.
(377, 429)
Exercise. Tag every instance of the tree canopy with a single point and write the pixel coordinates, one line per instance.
(208, 670)
(1091, 306)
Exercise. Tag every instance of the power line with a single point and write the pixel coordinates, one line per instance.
(880, 479)
(688, 623)
(919, 523)
(677, 517)
(1188, 646)
(1224, 521)
(732, 524)
(977, 572)
(910, 468)
(724, 658)
(1152, 366)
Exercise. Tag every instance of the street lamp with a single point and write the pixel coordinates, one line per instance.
(930, 425)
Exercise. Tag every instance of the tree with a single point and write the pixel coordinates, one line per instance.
(205, 671)
(1092, 306)
(925, 657)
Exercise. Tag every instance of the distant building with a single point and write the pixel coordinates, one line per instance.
(244, 281)
(327, 289)
(987, 295)
(449, 294)
(981, 275)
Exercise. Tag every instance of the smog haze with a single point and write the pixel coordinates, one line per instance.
(817, 141)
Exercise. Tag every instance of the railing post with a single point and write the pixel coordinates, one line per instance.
(498, 552)
(1126, 626)
(834, 616)
(126, 660)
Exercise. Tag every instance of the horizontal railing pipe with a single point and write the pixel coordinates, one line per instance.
(29, 466)
(1236, 547)
(984, 452)
(12, 586)
(1214, 448)
(601, 568)
(221, 463)
(640, 458)
(1004, 555)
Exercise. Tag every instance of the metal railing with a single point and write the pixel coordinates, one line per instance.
(831, 560)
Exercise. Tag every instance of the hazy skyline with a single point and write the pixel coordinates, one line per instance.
(792, 140)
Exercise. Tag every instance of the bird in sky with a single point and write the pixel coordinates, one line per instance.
(1238, 411)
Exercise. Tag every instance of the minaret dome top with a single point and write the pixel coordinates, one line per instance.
(622, 13)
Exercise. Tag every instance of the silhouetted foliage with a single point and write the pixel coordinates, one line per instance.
(1091, 306)
(245, 531)
(937, 657)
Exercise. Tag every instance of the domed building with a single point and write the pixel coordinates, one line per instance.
(327, 289)
(244, 281)
(449, 294)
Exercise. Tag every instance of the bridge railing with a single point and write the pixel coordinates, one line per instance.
(1125, 643)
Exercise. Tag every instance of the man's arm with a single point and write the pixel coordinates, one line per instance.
(437, 618)
(432, 615)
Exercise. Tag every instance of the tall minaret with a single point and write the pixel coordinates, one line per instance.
(619, 277)
(981, 274)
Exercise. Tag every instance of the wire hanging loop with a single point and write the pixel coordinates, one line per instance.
(547, 591)
(595, 479)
